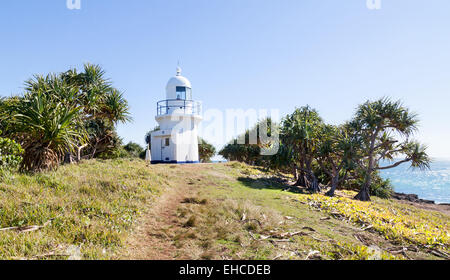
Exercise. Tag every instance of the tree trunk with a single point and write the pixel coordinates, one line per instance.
(334, 185)
(363, 194)
(295, 173)
(79, 152)
(313, 183)
(68, 158)
(301, 180)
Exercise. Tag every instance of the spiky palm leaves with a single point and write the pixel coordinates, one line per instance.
(337, 152)
(205, 150)
(56, 115)
(300, 131)
(46, 128)
(384, 128)
(89, 90)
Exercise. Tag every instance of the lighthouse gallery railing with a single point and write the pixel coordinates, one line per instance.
(188, 107)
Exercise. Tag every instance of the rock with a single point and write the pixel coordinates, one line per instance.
(411, 197)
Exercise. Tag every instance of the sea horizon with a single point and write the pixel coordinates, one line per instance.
(433, 184)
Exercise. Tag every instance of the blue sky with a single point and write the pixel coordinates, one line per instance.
(330, 54)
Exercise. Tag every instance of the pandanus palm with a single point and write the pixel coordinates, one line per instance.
(300, 132)
(337, 153)
(46, 128)
(99, 105)
(384, 127)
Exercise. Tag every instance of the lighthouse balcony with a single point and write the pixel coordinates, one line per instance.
(179, 106)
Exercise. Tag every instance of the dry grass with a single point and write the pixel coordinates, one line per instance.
(91, 206)
(124, 209)
(247, 214)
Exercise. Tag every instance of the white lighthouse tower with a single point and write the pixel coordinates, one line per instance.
(178, 117)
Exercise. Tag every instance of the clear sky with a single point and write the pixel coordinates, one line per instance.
(330, 54)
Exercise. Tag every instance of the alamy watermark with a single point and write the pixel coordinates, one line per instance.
(222, 126)
(373, 4)
(73, 4)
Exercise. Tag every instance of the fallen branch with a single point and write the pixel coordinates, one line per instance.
(438, 253)
(367, 227)
(277, 257)
(309, 228)
(27, 228)
(280, 240)
(289, 234)
(245, 220)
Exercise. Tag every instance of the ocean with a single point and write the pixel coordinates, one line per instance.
(432, 184)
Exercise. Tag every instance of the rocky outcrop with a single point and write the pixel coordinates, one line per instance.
(411, 197)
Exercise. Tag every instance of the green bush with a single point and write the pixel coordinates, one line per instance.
(206, 150)
(134, 150)
(10, 154)
(381, 188)
(117, 153)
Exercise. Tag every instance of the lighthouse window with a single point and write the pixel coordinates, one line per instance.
(181, 93)
(167, 142)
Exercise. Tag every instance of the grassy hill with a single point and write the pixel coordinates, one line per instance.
(125, 209)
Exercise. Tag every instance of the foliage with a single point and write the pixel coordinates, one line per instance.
(340, 156)
(337, 151)
(249, 146)
(333, 236)
(394, 221)
(379, 187)
(10, 154)
(206, 150)
(46, 129)
(134, 150)
(301, 132)
(248, 153)
(66, 115)
(384, 128)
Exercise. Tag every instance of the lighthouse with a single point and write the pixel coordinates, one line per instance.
(178, 117)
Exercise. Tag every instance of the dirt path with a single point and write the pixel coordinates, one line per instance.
(153, 238)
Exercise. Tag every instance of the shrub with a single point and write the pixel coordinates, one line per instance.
(10, 154)
(117, 153)
(206, 150)
(381, 188)
(134, 150)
